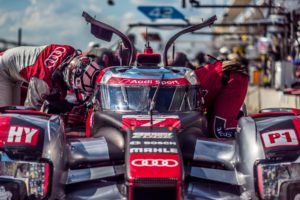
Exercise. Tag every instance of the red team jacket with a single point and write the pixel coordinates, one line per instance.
(222, 101)
(34, 65)
(39, 62)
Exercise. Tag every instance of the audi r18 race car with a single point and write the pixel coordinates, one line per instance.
(146, 137)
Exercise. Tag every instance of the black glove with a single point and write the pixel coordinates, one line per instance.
(59, 106)
(53, 97)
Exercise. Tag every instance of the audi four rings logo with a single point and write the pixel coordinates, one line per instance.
(53, 58)
(154, 163)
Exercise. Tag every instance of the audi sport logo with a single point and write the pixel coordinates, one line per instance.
(154, 163)
(53, 58)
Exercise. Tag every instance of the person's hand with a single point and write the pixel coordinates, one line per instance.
(57, 106)
(76, 115)
(78, 109)
(73, 118)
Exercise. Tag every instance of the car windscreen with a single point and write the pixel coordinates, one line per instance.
(138, 98)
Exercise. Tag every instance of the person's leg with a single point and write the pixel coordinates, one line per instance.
(16, 95)
(211, 84)
(210, 81)
(6, 88)
(227, 106)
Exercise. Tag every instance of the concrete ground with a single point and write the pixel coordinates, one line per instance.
(259, 98)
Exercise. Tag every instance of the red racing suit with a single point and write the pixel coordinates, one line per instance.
(225, 86)
(34, 65)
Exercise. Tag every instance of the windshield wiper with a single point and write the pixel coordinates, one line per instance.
(153, 100)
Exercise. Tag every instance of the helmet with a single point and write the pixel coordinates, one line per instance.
(81, 74)
(92, 45)
(180, 60)
(224, 50)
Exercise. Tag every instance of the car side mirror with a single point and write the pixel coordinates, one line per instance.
(101, 33)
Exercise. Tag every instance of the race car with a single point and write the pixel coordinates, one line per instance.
(146, 137)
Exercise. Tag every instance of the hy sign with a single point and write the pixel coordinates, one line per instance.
(161, 12)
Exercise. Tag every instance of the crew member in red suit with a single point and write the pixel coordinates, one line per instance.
(49, 70)
(225, 85)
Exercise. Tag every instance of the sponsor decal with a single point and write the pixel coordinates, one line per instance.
(153, 142)
(22, 135)
(220, 129)
(159, 143)
(145, 121)
(277, 138)
(131, 81)
(154, 150)
(154, 163)
(167, 143)
(5, 194)
(54, 57)
(153, 82)
(152, 135)
(135, 143)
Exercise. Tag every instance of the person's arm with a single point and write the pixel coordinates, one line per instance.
(36, 93)
(39, 92)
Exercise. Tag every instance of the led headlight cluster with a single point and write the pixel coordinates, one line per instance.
(34, 175)
(271, 176)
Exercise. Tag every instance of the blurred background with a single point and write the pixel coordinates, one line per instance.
(262, 34)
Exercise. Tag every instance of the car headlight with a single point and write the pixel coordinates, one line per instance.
(271, 177)
(34, 175)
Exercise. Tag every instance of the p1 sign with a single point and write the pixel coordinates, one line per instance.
(161, 12)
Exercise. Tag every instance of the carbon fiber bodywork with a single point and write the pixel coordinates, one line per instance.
(52, 147)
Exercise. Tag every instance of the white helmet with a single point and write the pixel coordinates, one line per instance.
(92, 45)
(224, 50)
(81, 74)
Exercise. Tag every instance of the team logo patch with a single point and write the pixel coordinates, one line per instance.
(286, 137)
(54, 57)
(130, 81)
(220, 129)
